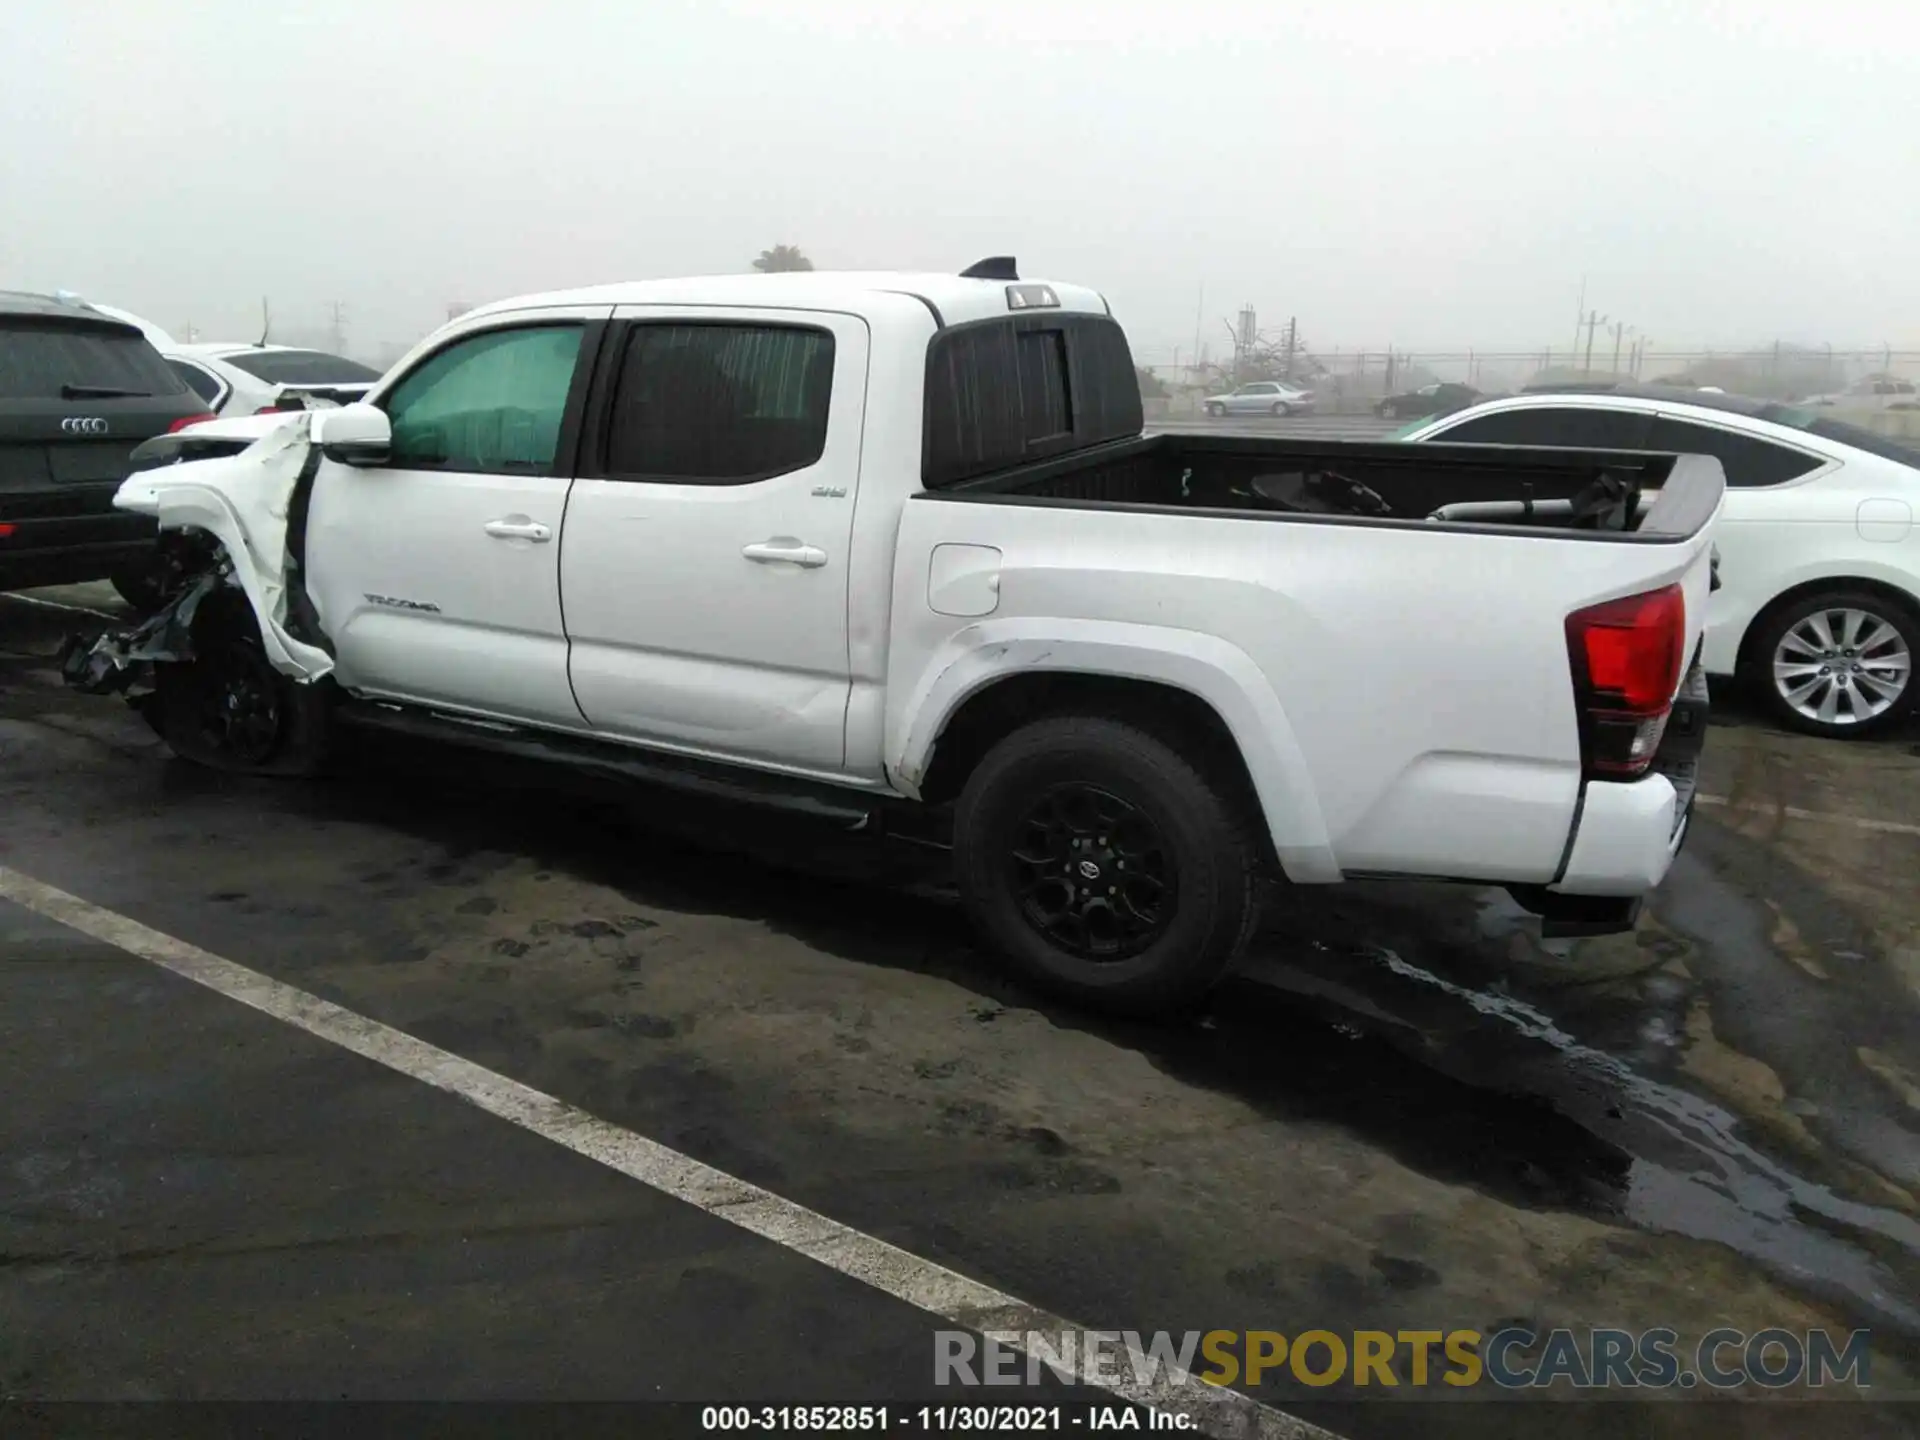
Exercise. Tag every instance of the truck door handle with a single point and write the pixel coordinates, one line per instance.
(783, 551)
(518, 530)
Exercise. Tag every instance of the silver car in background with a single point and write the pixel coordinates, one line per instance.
(1261, 397)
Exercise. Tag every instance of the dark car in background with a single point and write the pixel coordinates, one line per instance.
(78, 390)
(1427, 400)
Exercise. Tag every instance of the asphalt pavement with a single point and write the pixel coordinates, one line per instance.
(1407, 1114)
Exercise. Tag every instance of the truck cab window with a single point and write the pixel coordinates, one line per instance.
(489, 402)
(719, 404)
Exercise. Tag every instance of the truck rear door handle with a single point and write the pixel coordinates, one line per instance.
(518, 530)
(786, 552)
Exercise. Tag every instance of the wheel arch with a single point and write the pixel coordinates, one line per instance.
(1747, 652)
(992, 679)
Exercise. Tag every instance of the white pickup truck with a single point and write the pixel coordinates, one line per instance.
(894, 549)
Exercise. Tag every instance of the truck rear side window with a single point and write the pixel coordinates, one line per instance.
(1044, 407)
(1000, 393)
(719, 404)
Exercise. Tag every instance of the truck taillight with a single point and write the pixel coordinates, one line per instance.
(1626, 656)
(185, 420)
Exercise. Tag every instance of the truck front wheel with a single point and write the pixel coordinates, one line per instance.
(228, 709)
(1105, 866)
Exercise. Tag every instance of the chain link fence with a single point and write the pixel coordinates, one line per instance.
(1354, 381)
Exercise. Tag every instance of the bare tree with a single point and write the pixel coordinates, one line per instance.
(782, 257)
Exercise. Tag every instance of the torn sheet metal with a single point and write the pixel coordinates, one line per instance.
(120, 662)
(243, 501)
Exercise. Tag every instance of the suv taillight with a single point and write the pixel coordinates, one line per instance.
(185, 420)
(1626, 656)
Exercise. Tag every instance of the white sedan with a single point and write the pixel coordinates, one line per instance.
(1819, 605)
(1261, 397)
(251, 379)
(241, 379)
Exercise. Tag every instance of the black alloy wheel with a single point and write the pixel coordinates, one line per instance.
(1094, 875)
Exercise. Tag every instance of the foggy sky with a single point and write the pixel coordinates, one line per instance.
(1425, 175)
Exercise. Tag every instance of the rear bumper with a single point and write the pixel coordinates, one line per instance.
(67, 549)
(1627, 834)
(1627, 838)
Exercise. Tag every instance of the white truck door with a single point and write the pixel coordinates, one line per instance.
(705, 558)
(437, 574)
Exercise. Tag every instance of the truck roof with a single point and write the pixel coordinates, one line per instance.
(954, 299)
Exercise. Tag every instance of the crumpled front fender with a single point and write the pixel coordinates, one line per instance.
(243, 501)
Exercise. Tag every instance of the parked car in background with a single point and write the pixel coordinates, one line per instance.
(1874, 392)
(1261, 397)
(1427, 400)
(243, 379)
(251, 379)
(1819, 605)
(78, 390)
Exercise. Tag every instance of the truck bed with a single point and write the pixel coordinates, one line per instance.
(1412, 674)
(1612, 495)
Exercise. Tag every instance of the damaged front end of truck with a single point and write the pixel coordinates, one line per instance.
(226, 669)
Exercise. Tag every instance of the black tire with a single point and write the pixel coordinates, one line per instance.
(1216, 411)
(1850, 721)
(1385, 411)
(1279, 408)
(141, 586)
(229, 709)
(1163, 956)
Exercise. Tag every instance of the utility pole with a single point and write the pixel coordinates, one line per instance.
(1199, 305)
(1293, 335)
(1594, 320)
(1619, 328)
(337, 326)
(1580, 314)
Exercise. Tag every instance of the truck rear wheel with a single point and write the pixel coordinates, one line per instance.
(1105, 866)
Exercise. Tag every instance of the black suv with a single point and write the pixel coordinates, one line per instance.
(78, 390)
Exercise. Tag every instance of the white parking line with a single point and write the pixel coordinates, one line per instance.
(887, 1268)
(59, 605)
(1794, 812)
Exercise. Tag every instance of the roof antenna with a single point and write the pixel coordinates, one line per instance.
(994, 267)
(266, 320)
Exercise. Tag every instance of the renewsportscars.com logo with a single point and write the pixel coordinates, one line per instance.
(1509, 1359)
